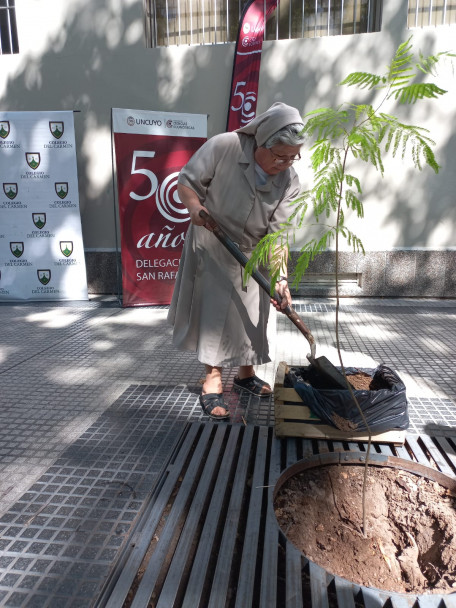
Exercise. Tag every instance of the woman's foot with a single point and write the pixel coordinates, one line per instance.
(246, 380)
(212, 394)
(212, 404)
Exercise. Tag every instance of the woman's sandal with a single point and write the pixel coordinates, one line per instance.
(252, 385)
(210, 401)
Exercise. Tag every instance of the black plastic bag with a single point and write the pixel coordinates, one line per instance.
(384, 408)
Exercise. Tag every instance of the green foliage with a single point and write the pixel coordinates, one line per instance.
(428, 65)
(363, 133)
(363, 80)
(413, 92)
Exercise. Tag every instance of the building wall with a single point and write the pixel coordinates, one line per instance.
(91, 56)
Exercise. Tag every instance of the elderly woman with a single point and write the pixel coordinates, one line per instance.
(245, 181)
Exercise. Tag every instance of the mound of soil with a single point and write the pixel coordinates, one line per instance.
(361, 381)
(410, 526)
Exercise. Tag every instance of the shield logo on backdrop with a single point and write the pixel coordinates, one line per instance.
(17, 249)
(33, 159)
(56, 129)
(10, 190)
(39, 219)
(44, 276)
(4, 128)
(61, 189)
(66, 247)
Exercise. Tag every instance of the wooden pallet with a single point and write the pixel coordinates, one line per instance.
(294, 419)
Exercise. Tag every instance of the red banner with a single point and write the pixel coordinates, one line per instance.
(151, 148)
(246, 67)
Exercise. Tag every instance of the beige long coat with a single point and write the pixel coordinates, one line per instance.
(212, 313)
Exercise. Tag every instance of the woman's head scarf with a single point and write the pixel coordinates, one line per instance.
(277, 117)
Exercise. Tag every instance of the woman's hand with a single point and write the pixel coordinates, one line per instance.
(196, 219)
(190, 200)
(282, 289)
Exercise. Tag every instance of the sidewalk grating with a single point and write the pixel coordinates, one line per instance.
(220, 544)
(59, 540)
(94, 398)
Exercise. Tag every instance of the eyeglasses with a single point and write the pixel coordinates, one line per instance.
(283, 160)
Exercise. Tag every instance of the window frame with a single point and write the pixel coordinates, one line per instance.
(288, 22)
(9, 42)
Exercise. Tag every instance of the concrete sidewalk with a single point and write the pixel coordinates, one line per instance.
(93, 397)
(63, 364)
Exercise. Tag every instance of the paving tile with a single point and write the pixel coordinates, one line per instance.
(93, 397)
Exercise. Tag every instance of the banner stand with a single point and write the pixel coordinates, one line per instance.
(150, 149)
(42, 255)
(116, 216)
(246, 63)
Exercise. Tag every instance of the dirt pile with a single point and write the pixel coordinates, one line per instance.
(410, 544)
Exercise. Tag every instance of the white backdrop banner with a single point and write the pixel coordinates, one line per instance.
(41, 249)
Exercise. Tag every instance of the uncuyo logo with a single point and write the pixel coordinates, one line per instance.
(168, 202)
(131, 121)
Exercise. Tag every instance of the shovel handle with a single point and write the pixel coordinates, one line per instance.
(260, 279)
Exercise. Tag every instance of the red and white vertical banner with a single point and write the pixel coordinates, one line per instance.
(150, 150)
(41, 247)
(247, 60)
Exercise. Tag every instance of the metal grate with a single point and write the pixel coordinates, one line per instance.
(58, 542)
(216, 541)
(422, 13)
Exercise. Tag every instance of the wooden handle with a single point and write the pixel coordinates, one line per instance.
(260, 279)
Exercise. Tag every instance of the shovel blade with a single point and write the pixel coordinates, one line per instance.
(334, 379)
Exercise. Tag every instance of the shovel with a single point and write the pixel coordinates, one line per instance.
(333, 377)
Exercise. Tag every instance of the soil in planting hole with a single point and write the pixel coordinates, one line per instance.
(410, 545)
(361, 381)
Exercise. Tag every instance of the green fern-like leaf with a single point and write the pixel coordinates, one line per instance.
(327, 189)
(363, 80)
(362, 112)
(301, 205)
(428, 65)
(262, 253)
(324, 153)
(413, 92)
(400, 67)
(353, 202)
(403, 137)
(354, 241)
(340, 219)
(363, 144)
(351, 180)
(301, 266)
(326, 123)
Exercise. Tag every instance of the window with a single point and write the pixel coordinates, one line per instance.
(8, 31)
(423, 13)
(170, 22)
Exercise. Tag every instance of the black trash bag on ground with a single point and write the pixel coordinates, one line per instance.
(384, 407)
